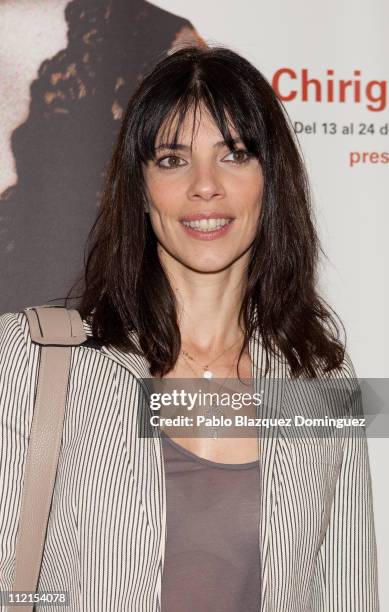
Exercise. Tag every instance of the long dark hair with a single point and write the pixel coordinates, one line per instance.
(125, 288)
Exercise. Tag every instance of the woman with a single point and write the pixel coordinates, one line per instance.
(170, 293)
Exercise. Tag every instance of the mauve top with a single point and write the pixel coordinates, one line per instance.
(212, 552)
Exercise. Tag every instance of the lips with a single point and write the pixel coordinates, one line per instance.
(207, 215)
(207, 229)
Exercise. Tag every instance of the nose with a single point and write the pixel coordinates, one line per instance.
(205, 183)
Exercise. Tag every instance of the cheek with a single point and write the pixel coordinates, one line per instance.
(248, 189)
(163, 197)
(250, 200)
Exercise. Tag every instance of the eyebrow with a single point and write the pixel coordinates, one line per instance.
(173, 146)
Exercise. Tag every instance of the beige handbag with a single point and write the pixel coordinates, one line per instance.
(56, 329)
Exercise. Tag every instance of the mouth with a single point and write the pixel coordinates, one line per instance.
(207, 225)
(207, 229)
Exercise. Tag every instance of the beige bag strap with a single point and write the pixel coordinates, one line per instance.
(56, 329)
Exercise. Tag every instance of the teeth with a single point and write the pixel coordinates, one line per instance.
(207, 225)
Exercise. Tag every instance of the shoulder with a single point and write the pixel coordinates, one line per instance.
(351, 382)
(97, 361)
(344, 370)
(347, 366)
(16, 342)
(341, 383)
(14, 332)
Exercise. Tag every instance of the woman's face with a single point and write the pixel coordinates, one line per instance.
(204, 203)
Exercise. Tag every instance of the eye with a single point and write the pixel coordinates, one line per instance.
(168, 165)
(241, 156)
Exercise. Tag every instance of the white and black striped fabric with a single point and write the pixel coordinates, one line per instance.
(106, 534)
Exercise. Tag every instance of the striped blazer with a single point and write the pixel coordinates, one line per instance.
(106, 534)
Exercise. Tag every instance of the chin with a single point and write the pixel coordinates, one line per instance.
(208, 266)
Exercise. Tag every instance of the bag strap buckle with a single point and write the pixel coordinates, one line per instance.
(55, 325)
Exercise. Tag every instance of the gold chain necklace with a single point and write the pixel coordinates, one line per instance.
(211, 412)
(207, 373)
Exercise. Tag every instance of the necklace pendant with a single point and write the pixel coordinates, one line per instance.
(207, 374)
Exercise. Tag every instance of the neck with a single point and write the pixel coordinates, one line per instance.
(208, 306)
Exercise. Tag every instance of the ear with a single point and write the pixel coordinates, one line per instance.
(146, 206)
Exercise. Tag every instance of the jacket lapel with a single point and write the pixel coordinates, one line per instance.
(271, 387)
